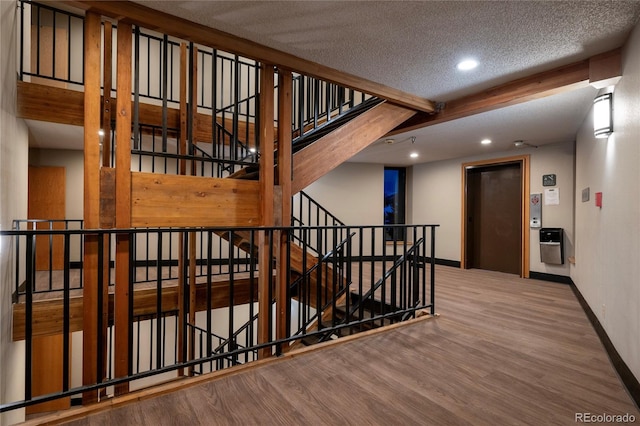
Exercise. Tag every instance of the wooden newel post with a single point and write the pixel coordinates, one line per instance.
(283, 216)
(122, 318)
(91, 371)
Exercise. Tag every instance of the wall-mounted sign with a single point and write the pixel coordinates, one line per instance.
(585, 195)
(551, 197)
(548, 180)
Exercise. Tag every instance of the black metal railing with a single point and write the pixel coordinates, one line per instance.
(47, 264)
(316, 103)
(154, 255)
(227, 91)
(307, 212)
(386, 282)
(314, 299)
(51, 43)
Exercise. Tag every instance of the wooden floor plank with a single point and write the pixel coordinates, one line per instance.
(504, 350)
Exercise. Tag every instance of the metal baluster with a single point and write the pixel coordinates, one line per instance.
(30, 268)
(231, 288)
(136, 94)
(66, 359)
(209, 283)
(159, 301)
(100, 310)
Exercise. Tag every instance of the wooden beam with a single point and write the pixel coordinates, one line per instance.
(123, 128)
(123, 207)
(191, 31)
(107, 197)
(48, 319)
(605, 69)
(558, 80)
(330, 151)
(43, 103)
(106, 98)
(267, 180)
(159, 200)
(66, 106)
(90, 368)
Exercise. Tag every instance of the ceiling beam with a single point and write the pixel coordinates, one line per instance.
(551, 82)
(181, 28)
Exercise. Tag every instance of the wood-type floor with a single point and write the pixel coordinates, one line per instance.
(504, 351)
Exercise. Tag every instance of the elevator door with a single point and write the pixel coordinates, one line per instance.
(494, 217)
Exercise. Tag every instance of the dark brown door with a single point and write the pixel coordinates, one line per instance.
(494, 217)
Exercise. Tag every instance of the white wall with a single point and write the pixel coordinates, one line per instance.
(437, 199)
(353, 192)
(13, 205)
(555, 159)
(607, 268)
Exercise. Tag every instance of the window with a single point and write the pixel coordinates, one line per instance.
(394, 201)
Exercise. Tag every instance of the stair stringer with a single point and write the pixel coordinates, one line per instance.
(328, 152)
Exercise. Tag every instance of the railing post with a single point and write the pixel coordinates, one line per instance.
(283, 216)
(106, 95)
(122, 319)
(265, 267)
(433, 269)
(91, 334)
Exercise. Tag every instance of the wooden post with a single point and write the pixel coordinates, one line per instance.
(285, 82)
(105, 128)
(123, 206)
(106, 96)
(91, 334)
(266, 203)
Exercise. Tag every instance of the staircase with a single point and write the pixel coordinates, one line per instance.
(186, 162)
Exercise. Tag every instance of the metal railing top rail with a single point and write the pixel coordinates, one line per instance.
(93, 231)
(17, 222)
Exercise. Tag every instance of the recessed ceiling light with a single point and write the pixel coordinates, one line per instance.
(485, 141)
(467, 64)
(413, 155)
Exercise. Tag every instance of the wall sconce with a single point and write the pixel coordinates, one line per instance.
(603, 115)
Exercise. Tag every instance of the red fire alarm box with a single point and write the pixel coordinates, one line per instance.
(599, 199)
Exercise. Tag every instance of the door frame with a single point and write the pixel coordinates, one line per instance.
(524, 161)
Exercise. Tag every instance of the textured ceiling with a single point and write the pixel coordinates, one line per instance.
(414, 46)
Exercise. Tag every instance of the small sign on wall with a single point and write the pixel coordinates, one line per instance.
(585, 195)
(551, 197)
